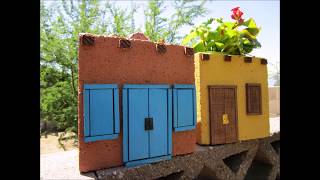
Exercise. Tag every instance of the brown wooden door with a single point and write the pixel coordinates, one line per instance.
(222, 100)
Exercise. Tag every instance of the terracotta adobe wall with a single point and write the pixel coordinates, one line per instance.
(105, 63)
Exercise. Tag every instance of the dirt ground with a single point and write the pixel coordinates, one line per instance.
(51, 144)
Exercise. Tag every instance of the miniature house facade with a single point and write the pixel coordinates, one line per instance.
(232, 98)
(136, 102)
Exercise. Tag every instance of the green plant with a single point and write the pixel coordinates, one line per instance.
(159, 26)
(234, 38)
(60, 25)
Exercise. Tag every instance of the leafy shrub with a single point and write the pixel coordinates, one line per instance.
(234, 38)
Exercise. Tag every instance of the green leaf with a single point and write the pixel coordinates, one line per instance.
(219, 20)
(199, 47)
(219, 45)
(209, 21)
(255, 43)
(189, 37)
(229, 24)
(247, 34)
(231, 33)
(253, 31)
(211, 46)
(246, 42)
(247, 49)
(214, 35)
(250, 23)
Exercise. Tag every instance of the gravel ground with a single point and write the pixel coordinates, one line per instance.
(65, 164)
(61, 165)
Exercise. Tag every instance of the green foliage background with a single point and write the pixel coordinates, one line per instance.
(62, 21)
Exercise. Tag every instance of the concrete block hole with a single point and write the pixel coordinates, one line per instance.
(206, 174)
(258, 170)
(234, 161)
(173, 176)
(276, 146)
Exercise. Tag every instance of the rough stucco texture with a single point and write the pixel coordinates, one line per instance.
(218, 72)
(104, 62)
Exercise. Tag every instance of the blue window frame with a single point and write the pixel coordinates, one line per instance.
(101, 112)
(184, 107)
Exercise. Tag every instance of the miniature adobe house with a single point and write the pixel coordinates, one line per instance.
(232, 98)
(136, 101)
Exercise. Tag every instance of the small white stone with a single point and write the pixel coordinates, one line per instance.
(120, 175)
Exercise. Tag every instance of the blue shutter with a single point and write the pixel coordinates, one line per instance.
(101, 112)
(86, 100)
(116, 110)
(184, 107)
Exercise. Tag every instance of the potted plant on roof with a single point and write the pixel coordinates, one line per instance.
(232, 38)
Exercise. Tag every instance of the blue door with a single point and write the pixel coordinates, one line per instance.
(138, 111)
(147, 123)
(158, 107)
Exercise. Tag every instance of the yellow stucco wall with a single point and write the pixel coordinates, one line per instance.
(218, 72)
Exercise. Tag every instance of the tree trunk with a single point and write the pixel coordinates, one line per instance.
(72, 81)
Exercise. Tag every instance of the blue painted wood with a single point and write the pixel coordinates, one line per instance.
(147, 161)
(175, 108)
(86, 100)
(184, 86)
(144, 86)
(185, 107)
(102, 137)
(101, 112)
(100, 86)
(158, 102)
(184, 110)
(116, 111)
(169, 121)
(194, 107)
(139, 148)
(185, 128)
(125, 141)
(138, 137)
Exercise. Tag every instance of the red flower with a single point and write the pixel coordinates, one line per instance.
(237, 14)
(235, 9)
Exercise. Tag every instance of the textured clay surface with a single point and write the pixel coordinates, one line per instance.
(105, 63)
(138, 35)
(183, 142)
